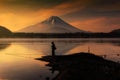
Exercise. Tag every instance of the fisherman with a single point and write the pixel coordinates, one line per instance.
(53, 48)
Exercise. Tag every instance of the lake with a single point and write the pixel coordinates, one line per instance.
(17, 56)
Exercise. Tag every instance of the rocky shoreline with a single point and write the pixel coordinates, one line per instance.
(82, 66)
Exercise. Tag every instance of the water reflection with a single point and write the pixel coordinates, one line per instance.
(4, 45)
(45, 48)
(17, 56)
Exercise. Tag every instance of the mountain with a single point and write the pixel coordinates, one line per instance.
(53, 24)
(4, 31)
(115, 31)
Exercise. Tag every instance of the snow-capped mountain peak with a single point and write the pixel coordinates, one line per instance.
(53, 24)
(53, 20)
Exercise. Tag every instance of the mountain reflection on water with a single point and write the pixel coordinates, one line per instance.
(4, 45)
(17, 55)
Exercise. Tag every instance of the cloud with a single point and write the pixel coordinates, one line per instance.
(29, 6)
(97, 15)
(85, 13)
(100, 24)
(62, 9)
(98, 8)
(15, 21)
(19, 5)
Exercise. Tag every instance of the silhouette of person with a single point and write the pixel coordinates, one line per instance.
(53, 48)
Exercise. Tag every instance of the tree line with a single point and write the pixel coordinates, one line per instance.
(60, 35)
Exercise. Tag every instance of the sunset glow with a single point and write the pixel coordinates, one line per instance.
(89, 15)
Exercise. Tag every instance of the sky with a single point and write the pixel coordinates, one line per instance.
(89, 15)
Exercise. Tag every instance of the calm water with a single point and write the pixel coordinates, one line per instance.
(17, 56)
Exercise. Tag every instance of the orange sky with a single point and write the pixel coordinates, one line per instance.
(94, 15)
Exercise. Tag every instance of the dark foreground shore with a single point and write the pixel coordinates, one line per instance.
(83, 66)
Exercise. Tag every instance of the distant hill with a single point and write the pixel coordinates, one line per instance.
(4, 32)
(115, 31)
(53, 24)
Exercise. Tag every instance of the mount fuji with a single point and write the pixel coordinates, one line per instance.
(53, 24)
